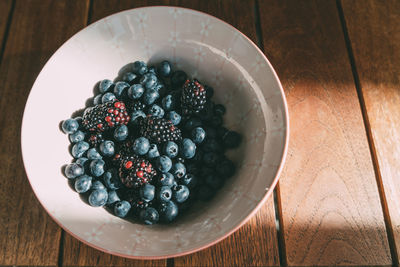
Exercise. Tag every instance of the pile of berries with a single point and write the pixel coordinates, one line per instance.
(151, 145)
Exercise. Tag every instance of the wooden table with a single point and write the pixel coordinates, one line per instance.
(338, 199)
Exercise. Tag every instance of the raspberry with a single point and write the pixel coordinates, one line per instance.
(105, 116)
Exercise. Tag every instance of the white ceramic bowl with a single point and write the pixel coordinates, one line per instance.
(206, 48)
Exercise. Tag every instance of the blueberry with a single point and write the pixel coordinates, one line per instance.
(221, 131)
(149, 81)
(181, 193)
(171, 149)
(178, 170)
(79, 149)
(205, 192)
(166, 179)
(93, 154)
(70, 126)
(107, 148)
(77, 137)
(168, 211)
(98, 198)
(207, 112)
(160, 88)
(205, 171)
(232, 139)
(149, 216)
(210, 158)
(198, 135)
(97, 99)
(198, 157)
(79, 120)
(147, 192)
(139, 67)
(135, 91)
(192, 123)
(129, 77)
(164, 193)
(105, 86)
(219, 110)
(150, 96)
(168, 102)
(189, 180)
(164, 164)
(211, 132)
(192, 168)
(164, 69)
(156, 111)
(83, 183)
(226, 168)
(178, 78)
(74, 170)
(153, 152)
(97, 185)
(141, 146)
(112, 197)
(121, 133)
(82, 161)
(214, 181)
(152, 69)
(188, 148)
(111, 179)
(121, 208)
(174, 117)
(97, 167)
(137, 114)
(120, 88)
(209, 91)
(211, 145)
(107, 97)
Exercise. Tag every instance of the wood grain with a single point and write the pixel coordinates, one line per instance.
(5, 16)
(374, 33)
(255, 244)
(331, 212)
(27, 234)
(79, 254)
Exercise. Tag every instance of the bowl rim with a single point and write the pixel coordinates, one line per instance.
(248, 217)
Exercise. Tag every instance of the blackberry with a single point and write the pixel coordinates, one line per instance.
(135, 105)
(133, 197)
(105, 116)
(95, 139)
(135, 171)
(193, 97)
(123, 151)
(159, 130)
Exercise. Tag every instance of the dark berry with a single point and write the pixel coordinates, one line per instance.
(164, 194)
(98, 198)
(147, 192)
(79, 149)
(168, 211)
(74, 170)
(159, 130)
(105, 116)
(231, 139)
(149, 216)
(121, 208)
(193, 97)
(135, 172)
(164, 68)
(70, 126)
(178, 78)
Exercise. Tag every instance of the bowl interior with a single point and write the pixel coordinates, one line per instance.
(206, 48)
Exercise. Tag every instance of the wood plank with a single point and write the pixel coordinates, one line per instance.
(78, 254)
(5, 15)
(28, 236)
(331, 212)
(255, 244)
(374, 33)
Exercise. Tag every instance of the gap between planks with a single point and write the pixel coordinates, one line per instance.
(382, 195)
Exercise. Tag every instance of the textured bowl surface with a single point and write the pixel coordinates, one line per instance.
(206, 48)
